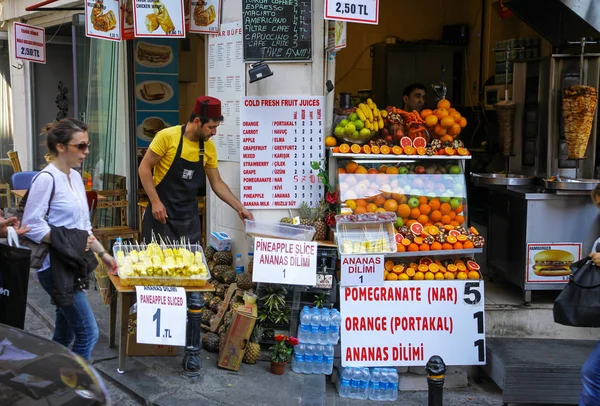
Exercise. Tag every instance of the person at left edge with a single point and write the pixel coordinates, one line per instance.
(172, 173)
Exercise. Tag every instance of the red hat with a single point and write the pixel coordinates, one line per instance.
(208, 107)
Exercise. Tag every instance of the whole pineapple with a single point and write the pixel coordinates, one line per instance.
(215, 303)
(253, 348)
(206, 315)
(223, 258)
(244, 280)
(222, 335)
(209, 253)
(224, 273)
(305, 214)
(319, 214)
(210, 342)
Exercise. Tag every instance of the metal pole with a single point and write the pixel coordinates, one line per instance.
(192, 364)
(436, 368)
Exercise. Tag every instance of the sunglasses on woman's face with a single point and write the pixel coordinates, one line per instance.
(82, 146)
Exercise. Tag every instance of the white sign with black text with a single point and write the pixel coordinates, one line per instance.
(285, 262)
(405, 323)
(102, 19)
(154, 18)
(161, 315)
(354, 11)
(30, 43)
(361, 270)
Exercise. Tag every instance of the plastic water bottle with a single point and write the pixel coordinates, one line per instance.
(239, 265)
(383, 384)
(364, 383)
(393, 386)
(346, 383)
(304, 329)
(298, 360)
(315, 324)
(356, 378)
(375, 382)
(318, 360)
(324, 327)
(334, 327)
(309, 358)
(328, 357)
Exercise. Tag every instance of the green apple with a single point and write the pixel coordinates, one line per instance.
(403, 170)
(454, 203)
(353, 117)
(355, 134)
(350, 128)
(343, 123)
(399, 222)
(365, 132)
(444, 198)
(359, 124)
(454, 170)
(339, 130)
(413, 202)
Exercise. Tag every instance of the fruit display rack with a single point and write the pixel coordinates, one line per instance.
(427, 194)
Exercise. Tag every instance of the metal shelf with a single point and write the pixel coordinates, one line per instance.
(411, 157)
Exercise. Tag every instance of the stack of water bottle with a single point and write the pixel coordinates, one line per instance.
(374, 384)
(318, 333)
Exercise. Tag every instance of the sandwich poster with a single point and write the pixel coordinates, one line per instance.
(158, 18)
(551, 262)
(156, 87)
(102, 19)
(205, 16)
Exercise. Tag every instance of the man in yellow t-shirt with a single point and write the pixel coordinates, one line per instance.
(172, 172)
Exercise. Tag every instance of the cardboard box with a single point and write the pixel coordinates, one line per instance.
(220, 241)
(238, 334)
(214, 326)
(134, 349)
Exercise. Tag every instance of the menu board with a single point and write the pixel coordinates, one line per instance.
(102, 19)
(206, 16)
(226, 82)
(277, 30)
(158, 18)
(127, 20)
(280, 137)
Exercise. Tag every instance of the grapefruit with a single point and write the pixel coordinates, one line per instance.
(416, 228)
(473, 266)
(399, 237)
(454, 233)
(425, 261)
(419, 142)
(406, 142)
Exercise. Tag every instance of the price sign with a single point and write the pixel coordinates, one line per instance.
(404, 323)
(285, 262)
(102, 19)
(161, 315)
(30, 43)
(361, 270)
(164, 18)
(356, 11)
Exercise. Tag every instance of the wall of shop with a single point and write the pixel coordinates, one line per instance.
(288, 79)
(412, 21)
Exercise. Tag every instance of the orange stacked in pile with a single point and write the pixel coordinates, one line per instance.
(428, 269)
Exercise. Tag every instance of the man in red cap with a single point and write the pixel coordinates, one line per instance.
(173, 171)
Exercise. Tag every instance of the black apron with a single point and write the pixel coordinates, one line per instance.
(177, 192)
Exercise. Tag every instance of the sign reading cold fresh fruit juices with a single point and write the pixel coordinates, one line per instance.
(280, 136)
(405, 323)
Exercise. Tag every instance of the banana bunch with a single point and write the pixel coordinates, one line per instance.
(162, 262)
(371, 115)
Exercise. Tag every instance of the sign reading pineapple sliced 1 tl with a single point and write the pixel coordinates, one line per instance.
(159, 18)
(286, 262)
(354, 11)
(361, 270)
(404, 323)
(161, 315)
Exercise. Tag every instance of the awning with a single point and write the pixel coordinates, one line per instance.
(40, 7)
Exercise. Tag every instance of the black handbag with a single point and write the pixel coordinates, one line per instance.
(14, 281)
(578, 304)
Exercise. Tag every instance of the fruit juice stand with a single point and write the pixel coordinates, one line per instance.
(410, 287)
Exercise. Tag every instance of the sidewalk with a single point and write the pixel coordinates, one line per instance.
(158, 380)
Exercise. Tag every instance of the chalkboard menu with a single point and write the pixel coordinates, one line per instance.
(277, 30)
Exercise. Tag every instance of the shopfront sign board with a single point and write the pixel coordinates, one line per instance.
(103, 19)
(157, 19)
(286, 262)
(361, 270)
(205, 16)
(30, 43)
(227, 82)
(280, 136)
(161, 315)
(404, 323)
(354, 11)
(550, 262)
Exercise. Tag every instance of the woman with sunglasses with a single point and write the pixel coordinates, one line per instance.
(57, 197)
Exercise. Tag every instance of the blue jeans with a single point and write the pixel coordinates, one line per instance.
(75, 324)
(590, 376)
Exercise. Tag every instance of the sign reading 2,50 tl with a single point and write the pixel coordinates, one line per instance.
(30, 52)
(349, 8)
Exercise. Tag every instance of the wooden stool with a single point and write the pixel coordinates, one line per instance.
(4, 194)
(115, 199)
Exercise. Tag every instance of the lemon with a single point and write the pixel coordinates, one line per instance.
(429, 276)
(403, 277)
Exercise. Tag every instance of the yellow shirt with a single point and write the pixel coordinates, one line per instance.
(165, 144)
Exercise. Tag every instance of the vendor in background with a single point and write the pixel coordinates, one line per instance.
(172, 173)
(414, 97)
